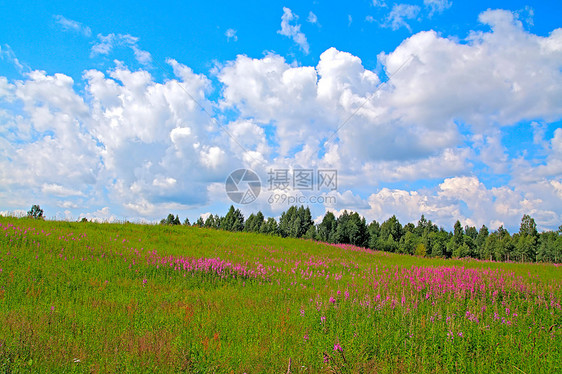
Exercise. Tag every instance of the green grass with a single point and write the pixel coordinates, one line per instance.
(85, 297)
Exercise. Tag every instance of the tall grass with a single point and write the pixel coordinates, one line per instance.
(85, 297)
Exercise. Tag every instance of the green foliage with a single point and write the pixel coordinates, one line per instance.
(393, 229)
(35, 212)
(421, 250)
(270, 227)
(327, 228)
(421, 239)
(233, 221)
(116, 298)
(254, 222)
(351, 229)
(171, 220)
(528, 226)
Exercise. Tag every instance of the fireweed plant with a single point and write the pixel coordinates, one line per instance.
(87, 297)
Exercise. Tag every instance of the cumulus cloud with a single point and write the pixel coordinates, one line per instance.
(142, 147)
(70, 25)
(463, 198)
(293, 31)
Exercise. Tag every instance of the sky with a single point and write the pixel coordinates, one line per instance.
(130, 110)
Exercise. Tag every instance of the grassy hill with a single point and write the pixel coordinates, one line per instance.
(87, 297)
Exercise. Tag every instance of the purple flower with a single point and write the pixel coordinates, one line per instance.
(337, 347)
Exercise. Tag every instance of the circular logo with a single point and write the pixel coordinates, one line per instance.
(243, 186)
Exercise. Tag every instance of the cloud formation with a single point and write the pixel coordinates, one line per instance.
(74, 26)
(400, 15)
(106, 43)
(120, 143)
(293, 31)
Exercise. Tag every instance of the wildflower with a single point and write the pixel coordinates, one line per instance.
(305, 337)
(322, 319)
(338, 348)
(302, 312)
(332, 300)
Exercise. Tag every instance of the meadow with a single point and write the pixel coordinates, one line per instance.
(88, 297)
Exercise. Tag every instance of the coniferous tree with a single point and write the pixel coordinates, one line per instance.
(391, 233)
(233, 221)
(327, 228)
(286, 222)
(270, 227)
(481, 240)
(374, 231)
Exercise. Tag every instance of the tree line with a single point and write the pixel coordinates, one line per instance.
(421, 239)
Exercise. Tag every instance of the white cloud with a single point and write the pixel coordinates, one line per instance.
(101, 215)
(463, 198)
(312, 18)
(106, 43)
(6, 89)
(143, 147)
(269, 90)
(293, 31)
(212, 157)
(437, 6)
(526, 15)
(7, 54)
(400, 14)
(70, 25)
(231, 35)
(486, 82)
(58, 190)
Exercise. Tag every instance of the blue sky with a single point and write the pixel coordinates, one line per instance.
(128, 110)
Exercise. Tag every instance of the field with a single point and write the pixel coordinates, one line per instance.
(86, 297)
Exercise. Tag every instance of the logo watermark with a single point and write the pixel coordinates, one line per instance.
(282, 198)
(243, 186)
(303, 179)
